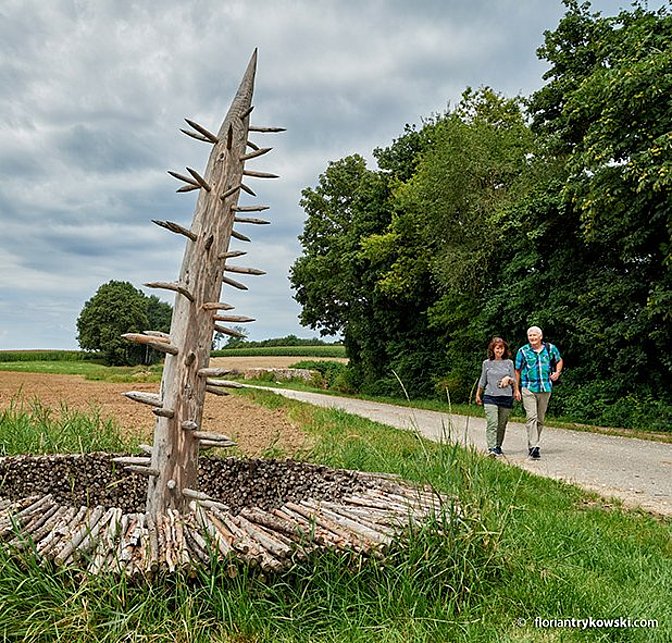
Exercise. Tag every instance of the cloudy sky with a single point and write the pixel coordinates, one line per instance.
(93, 94)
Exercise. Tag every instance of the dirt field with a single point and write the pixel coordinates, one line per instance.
(254, 428)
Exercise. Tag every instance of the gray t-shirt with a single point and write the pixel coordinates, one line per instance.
(491, 374)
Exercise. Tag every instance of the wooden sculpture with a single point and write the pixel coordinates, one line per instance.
(82, 510)
(198, 313)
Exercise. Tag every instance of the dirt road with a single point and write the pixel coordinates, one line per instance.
(638, 472)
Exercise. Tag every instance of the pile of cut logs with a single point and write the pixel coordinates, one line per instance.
(264, 513)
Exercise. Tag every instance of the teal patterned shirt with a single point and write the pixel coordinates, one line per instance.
(535, 368)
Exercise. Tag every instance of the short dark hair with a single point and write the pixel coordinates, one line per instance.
(495, 341)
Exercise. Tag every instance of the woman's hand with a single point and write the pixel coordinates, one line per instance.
(518, 396)
(478, 400)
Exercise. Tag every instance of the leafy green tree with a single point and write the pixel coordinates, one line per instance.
(606, 107)
(448, 238)
(233, 341)
(159, 314)
(117, 308)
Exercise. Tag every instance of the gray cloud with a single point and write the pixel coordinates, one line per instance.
(93, 93)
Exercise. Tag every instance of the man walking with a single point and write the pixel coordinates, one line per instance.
(538, 365)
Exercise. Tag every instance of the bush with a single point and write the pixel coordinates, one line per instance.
(330, 371)
(600, 402)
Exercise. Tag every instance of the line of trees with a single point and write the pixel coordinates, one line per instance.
(553, 209)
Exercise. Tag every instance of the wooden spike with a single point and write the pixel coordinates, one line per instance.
(189, 425)
(199, 179)
(234, 319)
(228, 331)
(186, 179)
(153, 399)
(230, 192)
(153, 342)
(201, 130)
(198, 137)
(215, 390)
(215, 437)
(260, 175)
(217, 305)
(246, 113)
(250, 220)
(231, 254)
(175, 227)
(157, 333)
(234, 283)
(252, 145)
(164, 413)
(188, 188)
(247, 189)
(214, 372)
(243, 270)
(166, 285)
(241, 237)
(210, 444)
(197, 495)
(267, 130)
(146, 448)
(142, 460)
(224, 383)
(256, 153)
(148, 471)
(250, 208)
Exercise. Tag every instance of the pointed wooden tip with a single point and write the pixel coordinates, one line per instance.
(205, 134)
(199, 179)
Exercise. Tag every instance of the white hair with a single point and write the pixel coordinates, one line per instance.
(535, 329)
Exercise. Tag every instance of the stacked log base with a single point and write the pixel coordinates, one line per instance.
(87, 512)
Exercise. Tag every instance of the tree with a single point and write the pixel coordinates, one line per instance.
(607, 107)
(445, 245)
(234, 341)
(117, 308)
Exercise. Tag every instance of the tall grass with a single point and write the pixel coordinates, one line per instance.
(511, 547)
(33, 428)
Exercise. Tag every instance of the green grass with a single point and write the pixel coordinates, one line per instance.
(30, 427)
(90, 370)
(523, 547)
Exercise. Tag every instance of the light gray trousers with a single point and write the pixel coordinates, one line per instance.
(535, 405)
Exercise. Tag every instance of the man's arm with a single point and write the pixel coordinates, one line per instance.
(516, 388)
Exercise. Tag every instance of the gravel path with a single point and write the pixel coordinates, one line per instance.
(638, 472)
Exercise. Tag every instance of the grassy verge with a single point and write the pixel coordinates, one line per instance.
(522, 548)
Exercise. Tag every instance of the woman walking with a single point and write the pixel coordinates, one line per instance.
(496, 389)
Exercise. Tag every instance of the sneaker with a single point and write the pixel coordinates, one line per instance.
(534, 453)
(498, 451)
(492, 452)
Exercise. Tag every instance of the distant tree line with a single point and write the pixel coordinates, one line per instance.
(118, 307)
(553, 209)
(287, 340)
